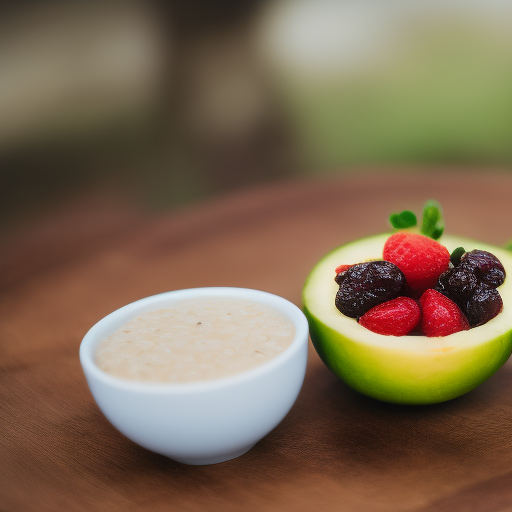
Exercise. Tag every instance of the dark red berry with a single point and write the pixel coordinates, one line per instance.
(339, 277)
(484, 304)
(487, 267)
(458, 284)
(442, 283)
(340, 273)
(366, 285)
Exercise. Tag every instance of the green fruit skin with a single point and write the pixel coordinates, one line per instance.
(395, 376)
(392, 374)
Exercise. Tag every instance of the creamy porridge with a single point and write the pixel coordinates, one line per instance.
(196, 340)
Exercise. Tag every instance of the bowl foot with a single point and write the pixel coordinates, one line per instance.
(216, 459)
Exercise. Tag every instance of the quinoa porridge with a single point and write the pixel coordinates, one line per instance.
(196, 340)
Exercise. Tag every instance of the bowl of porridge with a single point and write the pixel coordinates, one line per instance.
(198, 375)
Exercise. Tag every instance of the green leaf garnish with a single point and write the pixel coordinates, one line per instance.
(433, 223)
(403, 220)
(509, 246)
(456, 256)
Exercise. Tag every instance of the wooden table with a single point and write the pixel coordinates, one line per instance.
(335, 451)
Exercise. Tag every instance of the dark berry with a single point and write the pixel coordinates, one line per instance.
(339, 277)
(442, 282)
(366, 285)
(484, 304)
(495, 277)
(487, 267)
(340, 272)
(460, 284)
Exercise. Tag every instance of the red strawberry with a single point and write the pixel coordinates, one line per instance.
(342, 268)
(396, 317)
(420, 258)
(441, 316)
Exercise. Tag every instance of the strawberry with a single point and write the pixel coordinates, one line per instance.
(441, 316)
(396, 317)
(342, 268)
(420, 258)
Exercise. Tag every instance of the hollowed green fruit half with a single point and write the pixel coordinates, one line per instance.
(406, 369)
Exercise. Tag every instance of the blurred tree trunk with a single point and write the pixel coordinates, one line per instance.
(222, 111)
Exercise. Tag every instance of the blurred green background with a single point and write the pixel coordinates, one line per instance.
(162, 104)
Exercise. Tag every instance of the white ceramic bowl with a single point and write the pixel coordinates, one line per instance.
(199, 422)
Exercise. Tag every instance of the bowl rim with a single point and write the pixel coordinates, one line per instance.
(290, 310)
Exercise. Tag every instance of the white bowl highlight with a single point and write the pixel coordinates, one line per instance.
(202, 422)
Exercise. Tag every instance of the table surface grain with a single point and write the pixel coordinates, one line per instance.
(335, 451)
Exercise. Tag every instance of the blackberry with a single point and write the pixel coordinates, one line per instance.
(484, 304)
(486, 266)
(458, 284)
(442, 282)
(339, 277)
(366, 285)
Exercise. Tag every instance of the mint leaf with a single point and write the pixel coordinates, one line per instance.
(456, 256)
(403, 220)
(433, 223)
(509, 246)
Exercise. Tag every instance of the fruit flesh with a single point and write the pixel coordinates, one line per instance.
(408, 369)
